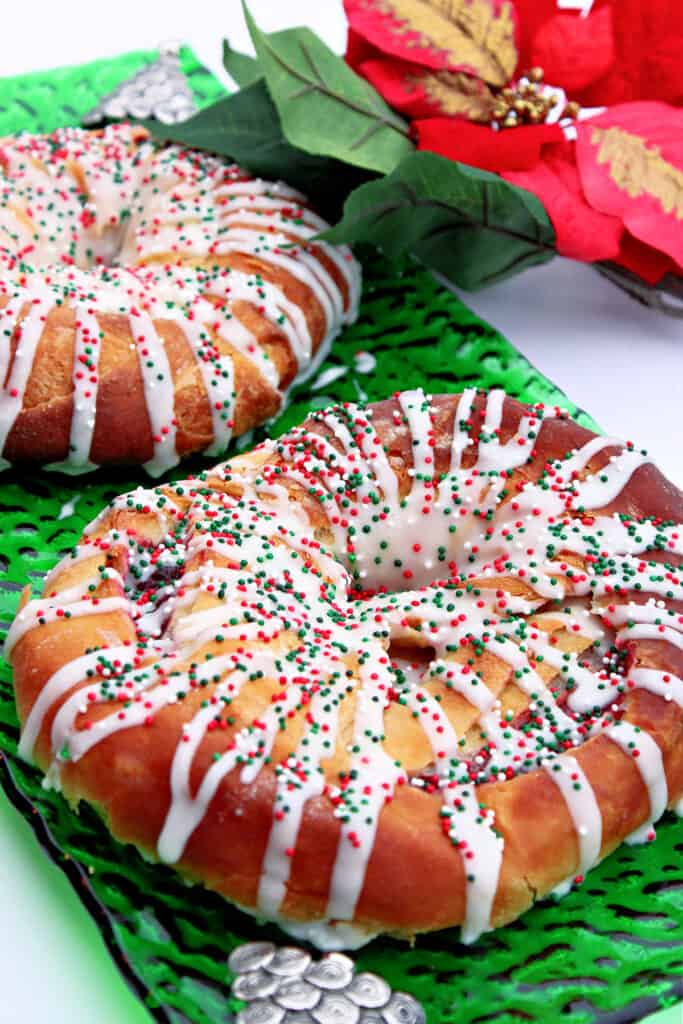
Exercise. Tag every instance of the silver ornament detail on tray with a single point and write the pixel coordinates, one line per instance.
(160, 90)
(285, 985)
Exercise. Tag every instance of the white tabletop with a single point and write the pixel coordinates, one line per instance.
(615, 358)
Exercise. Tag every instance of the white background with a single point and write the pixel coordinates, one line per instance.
(615, 358)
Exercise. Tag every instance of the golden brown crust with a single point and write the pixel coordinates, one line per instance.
(126, 776)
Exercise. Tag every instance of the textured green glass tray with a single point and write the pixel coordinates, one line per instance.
(611, 951)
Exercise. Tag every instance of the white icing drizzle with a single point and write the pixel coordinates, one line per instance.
(652, 612)
(8, 317)
(465, 682)
(461, 436)
(655, 584)
(41, 611)
(327, 935)
(29, 332)
(157, 380)
(436, 725)
(85, 550)
(602, 488)
(300, 779)
(139, 499)
(381, 775)
(69, 675)
(217, 372)
(197, 627)
(87, 349)
(187, 811)
(649, 763)
(664, 684)
(70, 743)
(643, 631)
(577, 792)
(472, 827)
(241, 239)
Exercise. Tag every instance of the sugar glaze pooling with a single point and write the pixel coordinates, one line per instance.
(169, 218)
(256, 574)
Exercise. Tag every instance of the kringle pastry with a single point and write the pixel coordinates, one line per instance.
(154, 301)
(409, 666)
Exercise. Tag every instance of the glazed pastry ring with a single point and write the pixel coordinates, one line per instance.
(408, 666)
(154, 301)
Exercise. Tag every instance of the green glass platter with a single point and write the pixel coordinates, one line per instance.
(611, 951)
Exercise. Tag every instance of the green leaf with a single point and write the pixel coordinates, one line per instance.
(246, 128)
(324, 106)
(242, 68)
(469, 225)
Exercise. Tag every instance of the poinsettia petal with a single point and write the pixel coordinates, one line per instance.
(421, 92)
(575, 51)
(516, 149)
(582, 232)
(475, 36)
(648, 263)
(630, 160)
(531, 15)
(649, 44)
(359, 50)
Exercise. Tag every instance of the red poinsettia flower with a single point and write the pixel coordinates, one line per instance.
(518, 150)
(644, 39)
(630, 161)
(582, 232)
(472, 36)
(617, 192)
(612, 183)
(418, 92)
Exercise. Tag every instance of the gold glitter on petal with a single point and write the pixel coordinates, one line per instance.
(639, 169)
(467, 32)
(457, 94)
